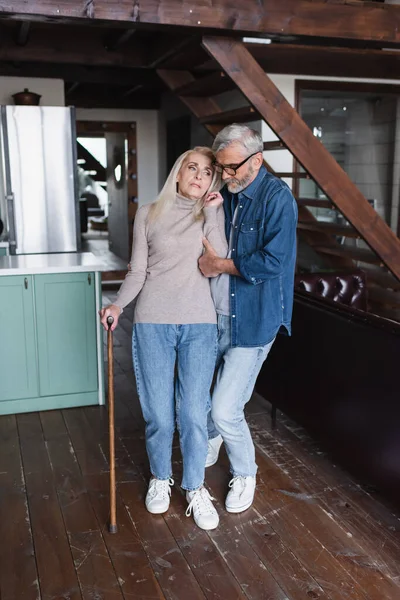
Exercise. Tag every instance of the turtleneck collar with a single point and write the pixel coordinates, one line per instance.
(184, 202)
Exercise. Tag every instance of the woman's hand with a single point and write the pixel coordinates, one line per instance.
(112, 310)
(213, 199)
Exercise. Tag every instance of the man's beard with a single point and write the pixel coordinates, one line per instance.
(238, 185)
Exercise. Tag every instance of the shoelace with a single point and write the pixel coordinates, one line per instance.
(237, 482)
(161, 486)
(202, 499)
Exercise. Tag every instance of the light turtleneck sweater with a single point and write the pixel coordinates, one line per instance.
(164, 275)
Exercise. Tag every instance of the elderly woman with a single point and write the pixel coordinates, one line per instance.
(175, 331)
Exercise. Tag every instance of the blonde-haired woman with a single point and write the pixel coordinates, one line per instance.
(175, 326)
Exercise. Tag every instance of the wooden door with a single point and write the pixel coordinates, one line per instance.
(117, 188)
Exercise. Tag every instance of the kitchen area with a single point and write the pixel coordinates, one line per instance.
(50, 292)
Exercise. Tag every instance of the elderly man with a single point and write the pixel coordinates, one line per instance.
(253, 286)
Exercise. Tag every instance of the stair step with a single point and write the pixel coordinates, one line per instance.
(385, 280)
(275, 145)
(208, 85)
(295, 175)
(331, 228)
(238, 115)
(386, 297)
(315, 202)
(358, 254)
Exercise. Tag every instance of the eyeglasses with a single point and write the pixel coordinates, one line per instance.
(231, 169)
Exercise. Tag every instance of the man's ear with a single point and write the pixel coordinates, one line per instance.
(260, 159)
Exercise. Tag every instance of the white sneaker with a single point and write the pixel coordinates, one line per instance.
(204, 514)
(158, 495)
(241, 495)
(214, 446)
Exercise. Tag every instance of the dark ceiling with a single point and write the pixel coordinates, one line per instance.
(117, 68)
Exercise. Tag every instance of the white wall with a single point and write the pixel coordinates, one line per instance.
(51, 90)
(150, 144)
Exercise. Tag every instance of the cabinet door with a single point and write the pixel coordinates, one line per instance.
(66, 332)
(18, 364)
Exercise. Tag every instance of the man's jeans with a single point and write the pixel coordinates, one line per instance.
(238, 369)
(184, 400)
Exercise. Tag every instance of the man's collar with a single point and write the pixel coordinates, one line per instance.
(251, 190)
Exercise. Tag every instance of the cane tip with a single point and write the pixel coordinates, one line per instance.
(112, 528)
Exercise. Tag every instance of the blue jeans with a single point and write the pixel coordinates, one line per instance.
(174, 367)
(238, 369)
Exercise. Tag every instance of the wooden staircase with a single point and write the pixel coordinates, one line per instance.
(380, 255)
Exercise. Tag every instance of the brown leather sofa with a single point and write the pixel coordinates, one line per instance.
(347, 288)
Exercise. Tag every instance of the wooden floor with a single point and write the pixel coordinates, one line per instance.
(311, 533)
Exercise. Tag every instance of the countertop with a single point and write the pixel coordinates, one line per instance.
(3, 244)
(38, 264)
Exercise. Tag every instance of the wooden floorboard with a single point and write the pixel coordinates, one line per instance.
(18, 572)
(57, 575)
(313, 532)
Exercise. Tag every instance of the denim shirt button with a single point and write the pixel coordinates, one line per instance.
(232, 294)
(233, 316)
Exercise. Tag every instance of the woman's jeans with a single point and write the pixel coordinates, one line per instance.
(238, 369)
(183, 399)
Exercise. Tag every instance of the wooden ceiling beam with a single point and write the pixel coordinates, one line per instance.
(133, 90)
(98, 97)
(327, 61)
(116, 39)
(22, 33)
(339, 19)
(168, 48)
(81, 74)
(73, 45)
(299, 59)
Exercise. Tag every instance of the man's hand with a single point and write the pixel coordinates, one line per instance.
(208, 262)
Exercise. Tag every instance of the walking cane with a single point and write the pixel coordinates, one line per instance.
(112, 527)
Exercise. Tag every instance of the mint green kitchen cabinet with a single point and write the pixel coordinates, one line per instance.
(66, 333)
(3, 251)
(49, 342)
(18, 357)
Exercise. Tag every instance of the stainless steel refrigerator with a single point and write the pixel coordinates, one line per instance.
(38, 147)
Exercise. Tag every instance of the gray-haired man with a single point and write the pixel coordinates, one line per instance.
(253, 286)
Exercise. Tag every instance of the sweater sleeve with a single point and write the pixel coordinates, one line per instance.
(214, 229)
(136, 276)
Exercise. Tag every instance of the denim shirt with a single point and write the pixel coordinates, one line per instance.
(264, 252)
